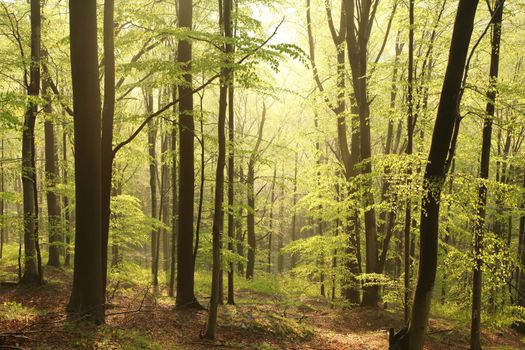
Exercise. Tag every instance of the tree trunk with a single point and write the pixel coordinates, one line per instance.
(3, 237)
(408, 151)
(152, 140)
(231, 189)
(435, 173)
(479, 229)
(293, 258)
(250, 219)
(108, 113)
(53, 209)
(218, 216)
(270, 233)
(175, 201)
(250, 182)
(87, 295)
(65, 201)
(357, 46)
(32, 264)
(185, 257)
(280, 240)
(165, 203)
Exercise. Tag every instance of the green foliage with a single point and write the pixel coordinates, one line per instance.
(13, 311)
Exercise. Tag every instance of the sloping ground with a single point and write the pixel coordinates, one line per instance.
(34, 318)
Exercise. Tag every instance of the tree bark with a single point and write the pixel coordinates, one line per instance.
(250, 182)
(479, 229)
(185, 257)
(435, 172)
(53, 208)
(108, 114)
(174, 199)
(218, 216)
(32, 261)
(408, 151)
(152, 140)
(231, 189)
(87, 294)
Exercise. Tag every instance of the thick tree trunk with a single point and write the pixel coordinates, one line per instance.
(185, 256)
(87, 295)
(32, 263)
(357, 47)
(479, 229)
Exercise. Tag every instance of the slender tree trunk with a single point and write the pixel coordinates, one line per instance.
(238, 226)
(165, 206)
(280, 240)
(520, 326)
(175, 201)
(152, 140)
(231, 189)
(435, 173)
(479, 229)
(108, 113)
(65, 201)
(3, 237)
(218, 216)
(53, 209)
(293, 258)
(250, 219)
(270, 233)
(87, 294)
(201, 185)
(250, 183)
(408, 151)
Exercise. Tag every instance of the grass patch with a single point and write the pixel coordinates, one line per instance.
(13, 311)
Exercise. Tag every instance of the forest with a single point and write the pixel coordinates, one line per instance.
(258, 174)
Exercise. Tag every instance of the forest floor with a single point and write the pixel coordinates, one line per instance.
(263, 318)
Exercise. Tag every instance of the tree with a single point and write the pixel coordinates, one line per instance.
(53, 207)
(496, 20)
(436, 171)
(408, 151)
(357, 39)
(250, 184)
(225, 22)
(87, 296)
(185, 257)
(108, 115)
(32, 260)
